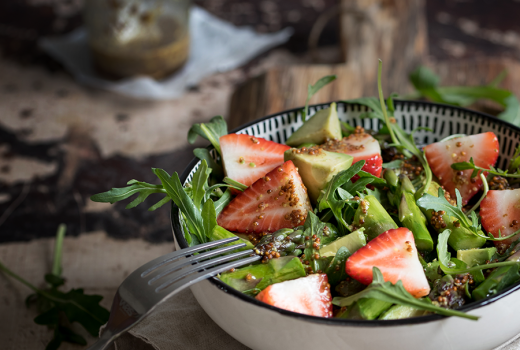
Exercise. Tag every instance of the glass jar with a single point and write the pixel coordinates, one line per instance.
(130, 38)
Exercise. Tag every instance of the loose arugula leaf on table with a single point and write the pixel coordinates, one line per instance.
(396, 294)
(59, 309)
(211, 131)
(312, 89)
(427, 85)
(118, 194)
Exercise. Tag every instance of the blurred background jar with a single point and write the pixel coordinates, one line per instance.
(131, 38)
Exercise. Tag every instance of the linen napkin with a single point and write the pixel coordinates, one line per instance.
(180, 323)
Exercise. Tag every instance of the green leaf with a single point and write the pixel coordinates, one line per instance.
(222, 202)
(119, 194)
(238, 185)
(312, 226)
(176, 192)
(159, 204)
(328, 197)
(396, 294)
(199, 183)
(211, 131)
(204, 154)
(394, 164)
(312, 89)
(209, 217)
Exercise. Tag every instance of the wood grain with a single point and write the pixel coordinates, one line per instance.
(285, 87)
(391, 30)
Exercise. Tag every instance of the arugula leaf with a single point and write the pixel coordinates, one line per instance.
(449, 267)
(427, 85)
(312, 226)
(396, 294)
(394, 164)
(199, 184)
(235, 184)
(211, 131)
(492, 170)
(118, 194)
(204, 154)
(427, 201)
(176, 192)
(328, 198)
(312, 89)
(58, 309)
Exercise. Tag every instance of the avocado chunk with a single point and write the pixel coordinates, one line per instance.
(474, 257)
(263, 275)
(398, 312)
(353, 241)
(317, 167)
(460, 237)
(323, 125)
(373, 217)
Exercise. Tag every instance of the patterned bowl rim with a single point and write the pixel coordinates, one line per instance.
(177, 231)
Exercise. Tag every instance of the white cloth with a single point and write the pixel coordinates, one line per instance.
(216, 46)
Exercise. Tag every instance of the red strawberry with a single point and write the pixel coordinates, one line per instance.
(500, 210)
(483, 148)
(278, 200)
(307, 295)
(395, 254)
(247, 158)
(361, 146)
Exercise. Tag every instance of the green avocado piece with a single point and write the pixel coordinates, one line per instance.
(373, 217)
(474, 257)
(460, 238)
(353, 241)
(318, 168)
(263, 275)
(323, 125)
(397, 312)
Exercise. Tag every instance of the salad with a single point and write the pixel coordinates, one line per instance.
(353, 223)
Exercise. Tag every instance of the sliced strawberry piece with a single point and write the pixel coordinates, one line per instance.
(278, 200)
(307, 295)
(247, 158)
(500, 210)
(395, 254)
(361, 146)
(483, 148)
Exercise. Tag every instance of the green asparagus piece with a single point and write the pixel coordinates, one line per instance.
(411, 216)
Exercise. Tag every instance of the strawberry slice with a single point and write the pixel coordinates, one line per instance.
(278, 200)
(247, 158)
(483, 148)
(500, 210)
(307, 295)
(361, 146)
(395, 254)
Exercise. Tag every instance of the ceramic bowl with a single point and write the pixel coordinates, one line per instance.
(261, 326)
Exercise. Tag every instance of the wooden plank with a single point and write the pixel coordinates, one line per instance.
(393, 31)
(283, 88)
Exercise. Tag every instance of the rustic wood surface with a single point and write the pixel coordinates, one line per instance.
(393, 31)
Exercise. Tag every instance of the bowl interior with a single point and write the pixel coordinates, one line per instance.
(442, 120)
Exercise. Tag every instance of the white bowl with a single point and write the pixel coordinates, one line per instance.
(261, 326)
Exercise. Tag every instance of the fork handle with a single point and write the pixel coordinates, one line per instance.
(103, 342)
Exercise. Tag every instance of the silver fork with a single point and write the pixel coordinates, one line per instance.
(158, 280)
